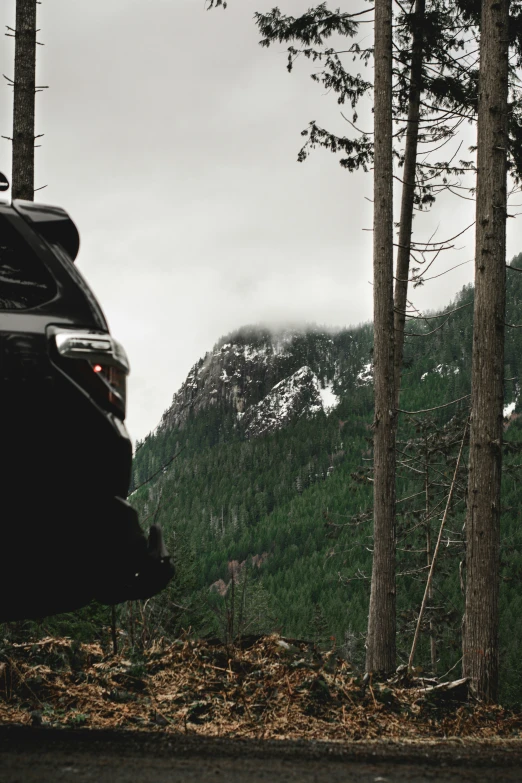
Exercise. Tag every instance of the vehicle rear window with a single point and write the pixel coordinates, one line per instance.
(25, 281)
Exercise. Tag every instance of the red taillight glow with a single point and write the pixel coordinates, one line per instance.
(113, 381)
(97, 363)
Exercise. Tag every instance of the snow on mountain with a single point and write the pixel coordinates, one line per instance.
(442, 369)
(266, 378)
(328, 398)
(298, 395)
(365, 376)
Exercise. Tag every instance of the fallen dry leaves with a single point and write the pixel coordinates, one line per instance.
(265, 688)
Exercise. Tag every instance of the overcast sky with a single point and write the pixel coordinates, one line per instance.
(171, 137)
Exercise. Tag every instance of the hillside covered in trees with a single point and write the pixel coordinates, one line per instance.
(267, 502)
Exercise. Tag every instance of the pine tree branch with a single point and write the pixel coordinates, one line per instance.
(428, 410)
(440, 315)
(426, 334)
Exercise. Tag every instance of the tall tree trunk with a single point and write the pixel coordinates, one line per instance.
(480, 637)
(408, 191)
(427, 511)
(24, 99)
(380, 653)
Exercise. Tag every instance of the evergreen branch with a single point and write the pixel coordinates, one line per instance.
(440, 315)
(312, 27)
(421, 280)
(413, 571)
(437, 407)
(410, 497)
(423, 521)
(426, 250)
(445, 241)
(359, 151)
(363, 133)
(426, 334)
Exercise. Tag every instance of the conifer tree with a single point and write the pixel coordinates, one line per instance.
(480, 637)
(434, 91)
(24, 89)
(408, 190)
(380, 654)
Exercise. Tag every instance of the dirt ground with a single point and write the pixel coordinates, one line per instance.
(39, 755)
(269, 710)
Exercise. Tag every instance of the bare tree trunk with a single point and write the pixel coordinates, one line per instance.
(433, 641)
(480, 637)
(24, 99)
(380, 653)
(408, 191)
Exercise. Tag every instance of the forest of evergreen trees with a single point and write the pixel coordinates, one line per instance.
(275, 532)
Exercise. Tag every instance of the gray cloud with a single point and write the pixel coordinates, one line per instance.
(171, 137)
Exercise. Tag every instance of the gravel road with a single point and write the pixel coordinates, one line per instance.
(39, 755)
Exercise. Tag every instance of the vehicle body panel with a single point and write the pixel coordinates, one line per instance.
(68, 534)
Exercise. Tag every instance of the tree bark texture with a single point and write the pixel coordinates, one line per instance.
(433, 640)
(24, 100)
(480, 633)
(408, 191)
(380, 654)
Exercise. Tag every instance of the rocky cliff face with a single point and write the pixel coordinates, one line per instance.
(266, 379)
(298, 395)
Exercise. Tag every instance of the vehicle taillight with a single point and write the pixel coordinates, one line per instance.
(98, 363)
(116, 380)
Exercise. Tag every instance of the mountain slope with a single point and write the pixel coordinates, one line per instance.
(272, 482)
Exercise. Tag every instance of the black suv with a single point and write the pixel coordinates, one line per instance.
(67, 533)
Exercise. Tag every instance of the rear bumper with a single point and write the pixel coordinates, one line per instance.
(67, 535)
(80, 555)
